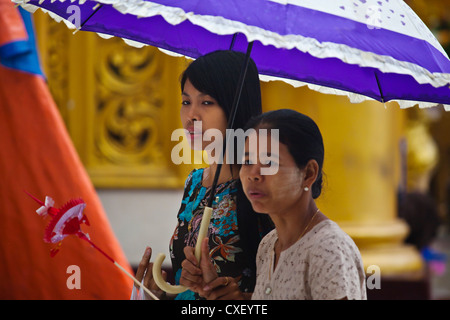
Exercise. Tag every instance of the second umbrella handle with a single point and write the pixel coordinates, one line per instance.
(157, 275)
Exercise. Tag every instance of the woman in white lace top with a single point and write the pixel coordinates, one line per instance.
(307, 256)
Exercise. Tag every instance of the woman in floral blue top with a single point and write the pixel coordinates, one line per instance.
(226, 253)
(208, 86)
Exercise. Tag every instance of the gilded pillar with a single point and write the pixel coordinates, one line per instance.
(362, 171)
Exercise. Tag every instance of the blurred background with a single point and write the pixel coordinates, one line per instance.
(387, 170)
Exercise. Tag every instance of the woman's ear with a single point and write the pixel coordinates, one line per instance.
(311, 172)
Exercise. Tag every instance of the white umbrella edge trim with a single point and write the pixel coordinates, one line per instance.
(353, 97)
(222, 26)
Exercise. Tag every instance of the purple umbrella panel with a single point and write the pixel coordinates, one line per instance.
(364, 49)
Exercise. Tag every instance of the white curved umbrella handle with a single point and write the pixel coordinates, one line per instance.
(157, 275)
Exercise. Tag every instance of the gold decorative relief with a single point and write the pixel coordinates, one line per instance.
(128, 104)
(127, 132)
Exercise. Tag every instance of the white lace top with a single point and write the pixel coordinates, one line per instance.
(324, 264)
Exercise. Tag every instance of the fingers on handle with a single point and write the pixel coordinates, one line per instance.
(223, 288)
(189, 254)
(143, 265)
(205, 259)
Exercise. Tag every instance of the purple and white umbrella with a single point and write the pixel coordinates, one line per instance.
(365, 49)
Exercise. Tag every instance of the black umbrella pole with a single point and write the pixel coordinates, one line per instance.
(237, 98)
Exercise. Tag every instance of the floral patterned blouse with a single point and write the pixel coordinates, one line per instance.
(224, 241)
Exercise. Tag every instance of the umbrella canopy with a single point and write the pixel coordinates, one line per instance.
(365, 49)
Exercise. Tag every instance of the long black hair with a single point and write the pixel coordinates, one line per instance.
(217, 74)
(300, 134)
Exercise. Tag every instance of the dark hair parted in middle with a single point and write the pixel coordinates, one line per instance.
(217, 74)
(300, 134)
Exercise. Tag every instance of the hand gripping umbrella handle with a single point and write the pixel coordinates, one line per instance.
(157, 275)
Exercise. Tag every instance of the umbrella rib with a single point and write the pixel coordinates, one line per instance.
(233, 41)
(379, 87)
(99, 6)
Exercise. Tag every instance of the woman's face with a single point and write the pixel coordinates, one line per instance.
(198, 106)
(273, 193)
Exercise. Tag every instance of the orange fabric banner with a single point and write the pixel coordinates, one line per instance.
(38, 156)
